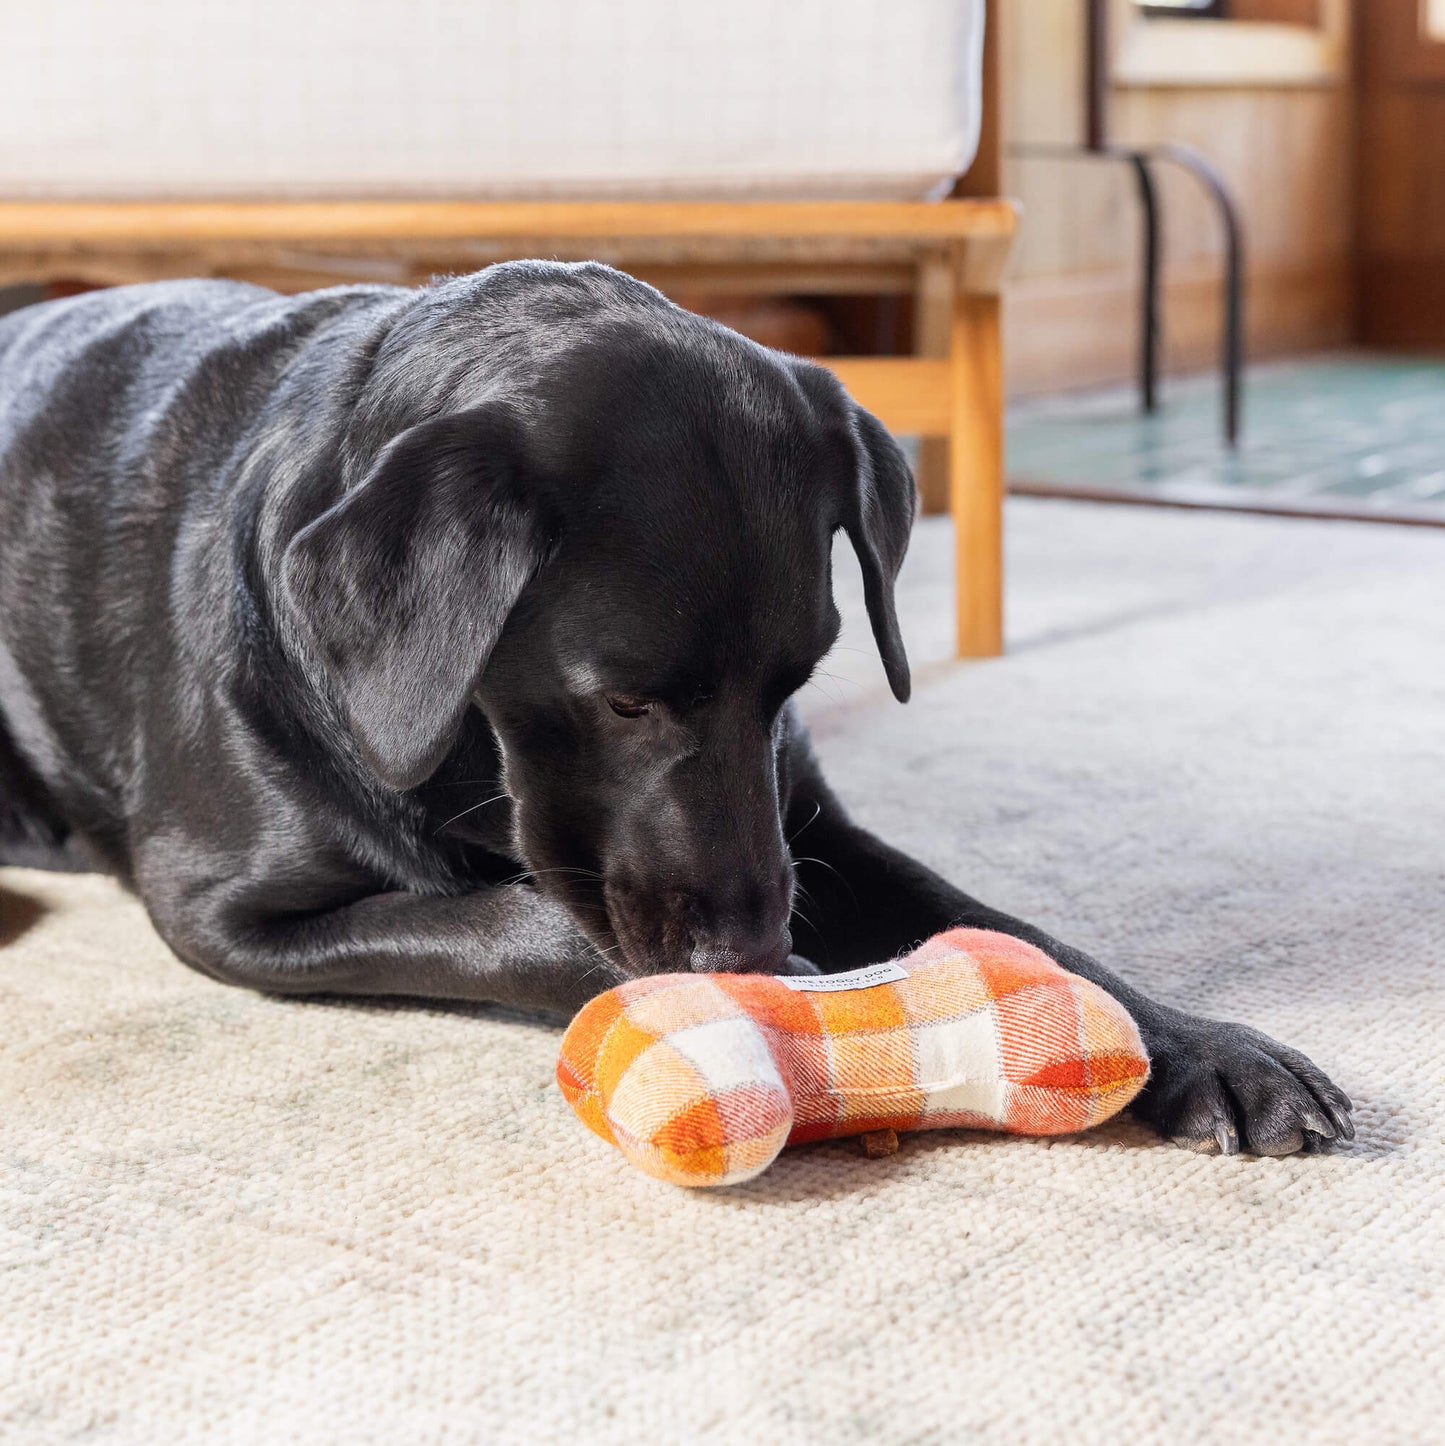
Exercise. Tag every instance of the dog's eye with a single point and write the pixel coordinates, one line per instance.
(627, 705)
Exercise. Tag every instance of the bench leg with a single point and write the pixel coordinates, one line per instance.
(975, 471)
(932, 323)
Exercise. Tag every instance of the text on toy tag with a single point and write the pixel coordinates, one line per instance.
(864, 978)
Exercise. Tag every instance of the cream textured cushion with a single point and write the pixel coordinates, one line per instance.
(489, 98)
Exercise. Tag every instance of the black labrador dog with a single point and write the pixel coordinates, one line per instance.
(441, 642)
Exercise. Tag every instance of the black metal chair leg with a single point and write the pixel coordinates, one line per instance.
(1149, 298)
(1232, 346)
(1233, 343)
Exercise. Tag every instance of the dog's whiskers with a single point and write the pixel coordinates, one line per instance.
(836, 693)
(527, 875)
(800, 891)
(831, 870)
(497, 798)
(805, 916)
(817, 809)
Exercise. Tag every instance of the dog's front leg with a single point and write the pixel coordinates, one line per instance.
(504, 944)
(1214, 1086)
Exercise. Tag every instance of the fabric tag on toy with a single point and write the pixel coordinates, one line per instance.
(864, 978)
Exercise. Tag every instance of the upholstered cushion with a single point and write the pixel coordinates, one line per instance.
(489, 98)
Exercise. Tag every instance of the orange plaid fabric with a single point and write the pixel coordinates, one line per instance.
(701, 1079)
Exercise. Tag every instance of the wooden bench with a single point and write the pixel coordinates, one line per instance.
(947, 255)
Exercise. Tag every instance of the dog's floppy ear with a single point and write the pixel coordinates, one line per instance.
(878, 524)
(404, 584)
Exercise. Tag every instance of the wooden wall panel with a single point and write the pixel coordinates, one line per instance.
(1071, 314)
(1401, 162)
(1280, 12)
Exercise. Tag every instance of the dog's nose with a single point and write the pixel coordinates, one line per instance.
(742, 953)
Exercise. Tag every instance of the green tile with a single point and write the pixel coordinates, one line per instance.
(1356, 428)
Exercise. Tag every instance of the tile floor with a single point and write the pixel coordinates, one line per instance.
(1352, 434)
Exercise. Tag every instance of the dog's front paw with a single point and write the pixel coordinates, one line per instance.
(1221, 1088)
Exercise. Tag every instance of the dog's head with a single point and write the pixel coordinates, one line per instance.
(627, 569)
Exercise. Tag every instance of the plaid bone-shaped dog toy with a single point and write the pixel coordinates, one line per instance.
(701, 1079)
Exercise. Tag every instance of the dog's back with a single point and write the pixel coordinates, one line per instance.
(121, 412)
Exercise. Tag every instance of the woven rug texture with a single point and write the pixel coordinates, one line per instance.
(1212, 756)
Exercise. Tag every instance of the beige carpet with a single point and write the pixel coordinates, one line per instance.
(1213, 755)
